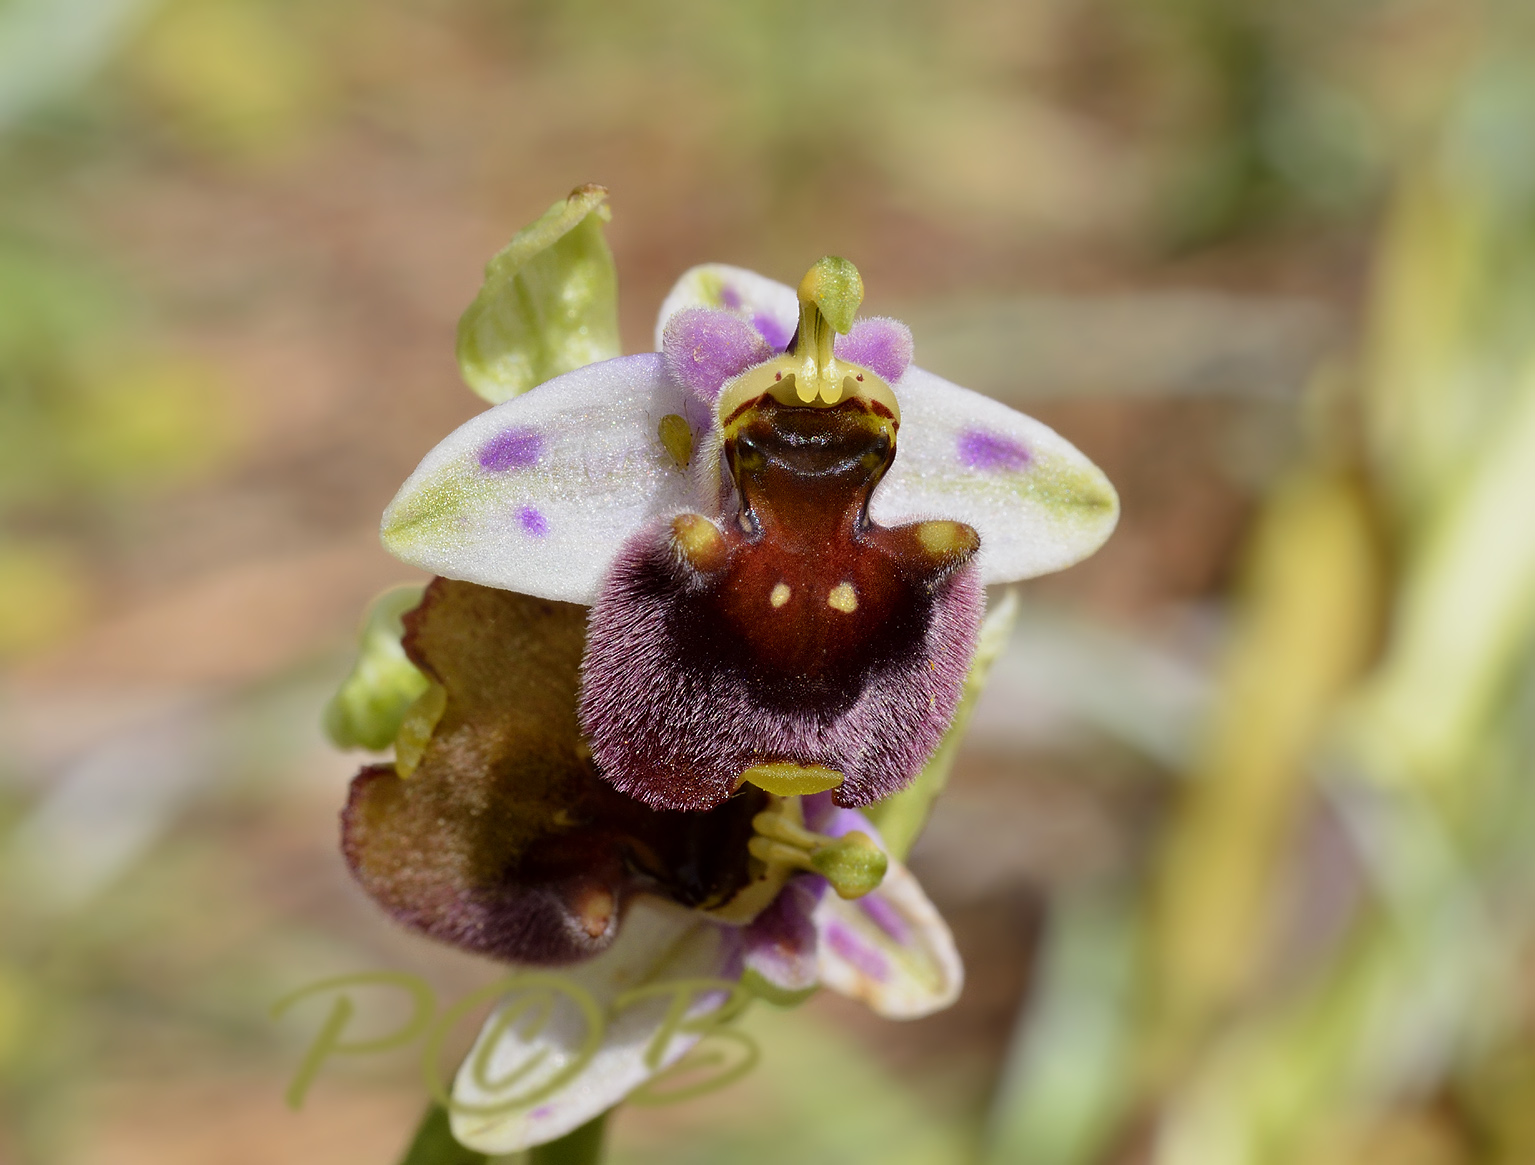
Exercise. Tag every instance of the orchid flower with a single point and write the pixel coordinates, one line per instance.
(694, 609)
(497, 835)
(782, 526)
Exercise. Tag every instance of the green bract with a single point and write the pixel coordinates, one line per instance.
(367, 709)
(549, 303)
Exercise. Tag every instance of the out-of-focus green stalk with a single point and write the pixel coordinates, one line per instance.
(1465, 615)
(1063, 1087)
(1306, 629)
(1426, 993)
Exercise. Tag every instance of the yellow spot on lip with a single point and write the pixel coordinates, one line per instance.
(595, 911)
(843, 598)
(791, 780)
(942, 538)
(699, 541)
(780, 595)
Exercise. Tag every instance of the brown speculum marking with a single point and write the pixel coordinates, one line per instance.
(792, 631)
(810, 593)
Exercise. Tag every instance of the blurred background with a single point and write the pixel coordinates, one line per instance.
(1238, 852)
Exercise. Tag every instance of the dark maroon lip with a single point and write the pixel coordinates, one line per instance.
(802, 632)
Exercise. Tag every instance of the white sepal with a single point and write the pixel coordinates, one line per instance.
(890, 949)
(732, 289)
(659, 944)
(1038, 503)
(579, 467)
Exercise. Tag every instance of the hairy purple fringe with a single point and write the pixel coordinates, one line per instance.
(881, 345)
(678, 735)
(704, 348)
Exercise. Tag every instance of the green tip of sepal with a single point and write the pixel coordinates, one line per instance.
(549, 304)
(367, 709)
(836, 289)
(853, 864)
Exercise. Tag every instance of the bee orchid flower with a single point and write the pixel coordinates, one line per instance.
(694, 608)
(782, 526)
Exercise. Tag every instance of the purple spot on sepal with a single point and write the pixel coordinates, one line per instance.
(991, 452)
(770, 329)
(881, 345)
(703, 349)
(532, 521)
(730, 298)
(516, 448)
(853, 949)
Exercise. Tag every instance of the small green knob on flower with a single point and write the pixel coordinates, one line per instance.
(829, 296)
(852, 863)
(834, 287)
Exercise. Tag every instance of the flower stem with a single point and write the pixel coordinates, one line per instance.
(582, 1146)
(434, 1143)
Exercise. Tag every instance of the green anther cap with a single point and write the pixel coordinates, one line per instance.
(853, 864)
(836, 289)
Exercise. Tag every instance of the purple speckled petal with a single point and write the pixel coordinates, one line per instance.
(582, 449)
(703, 349)
(730, 297)
(991, 452)
(881, 345)
(516, 448)
(532, 521)
(1037, 503)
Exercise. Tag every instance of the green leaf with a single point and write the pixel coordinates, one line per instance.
(367, 709)
(900, 818)
(549, 303)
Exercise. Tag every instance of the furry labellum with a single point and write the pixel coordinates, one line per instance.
(784, 530)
